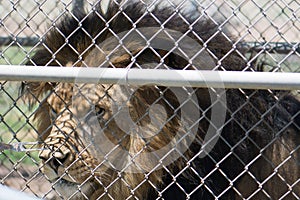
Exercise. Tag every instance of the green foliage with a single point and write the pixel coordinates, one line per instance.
(13, 55)
(19, 157)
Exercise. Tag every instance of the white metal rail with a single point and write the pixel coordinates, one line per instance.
(7, 193)
(192, 78)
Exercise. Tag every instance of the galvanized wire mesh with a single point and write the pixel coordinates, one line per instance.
(267, 30)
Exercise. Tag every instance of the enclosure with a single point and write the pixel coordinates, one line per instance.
(265, 34)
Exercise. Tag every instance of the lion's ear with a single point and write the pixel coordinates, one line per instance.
(34, 91)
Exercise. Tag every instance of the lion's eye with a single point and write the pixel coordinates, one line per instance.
(99, 111)
(53, 114)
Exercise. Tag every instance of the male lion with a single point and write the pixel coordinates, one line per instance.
(124, 142)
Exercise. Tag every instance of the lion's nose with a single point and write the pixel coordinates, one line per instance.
(55, 159)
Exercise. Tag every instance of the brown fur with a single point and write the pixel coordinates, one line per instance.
(255, 120)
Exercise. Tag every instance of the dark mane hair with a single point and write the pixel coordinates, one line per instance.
(259, 123)
(72, 37)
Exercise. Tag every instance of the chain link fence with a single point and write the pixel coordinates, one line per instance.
(77, 140)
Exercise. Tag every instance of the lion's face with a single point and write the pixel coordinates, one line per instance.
(115, 141)
(102, 135)
(71, 163)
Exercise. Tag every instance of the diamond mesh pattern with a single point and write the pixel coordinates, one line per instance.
(248, 165)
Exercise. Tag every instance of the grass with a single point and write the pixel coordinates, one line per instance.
(14, 128)
(13, 55)
(13, 123)
(19, 157)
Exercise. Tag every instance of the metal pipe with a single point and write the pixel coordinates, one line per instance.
(189, 78)
(7, 193)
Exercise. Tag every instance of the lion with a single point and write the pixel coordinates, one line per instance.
(91, 149)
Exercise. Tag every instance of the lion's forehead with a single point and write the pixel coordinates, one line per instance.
(79, 95)
(89, 94)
